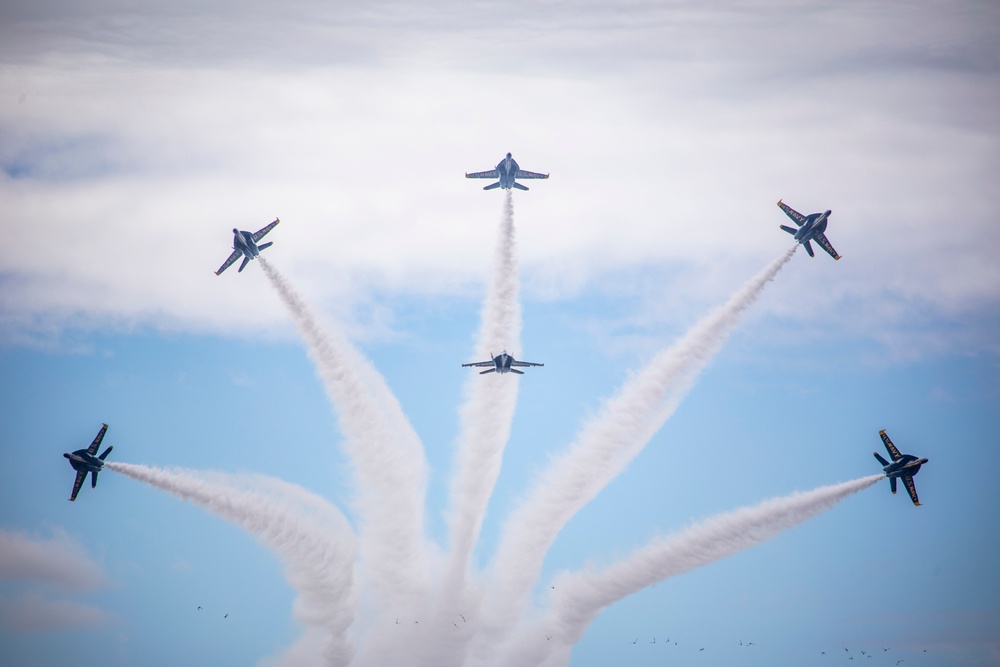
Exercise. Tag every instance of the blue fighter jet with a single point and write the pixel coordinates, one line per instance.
(507, 170)
(86, 460)
(245, 244)
(903, 466)
(502, 363)
(810, 228)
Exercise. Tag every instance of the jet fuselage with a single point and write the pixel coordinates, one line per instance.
(507, 169)
(84, 461)
(243, 241)
(814, 224)
(906, 465)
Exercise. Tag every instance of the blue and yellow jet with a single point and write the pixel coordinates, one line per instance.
(87, 460)
(502, 363)
(507, 170)
(810, 228)
(245, 244)
(903, 466)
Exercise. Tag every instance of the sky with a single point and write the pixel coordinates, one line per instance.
(135, 136)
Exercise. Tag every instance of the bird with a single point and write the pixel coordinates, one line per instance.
(547, 638)
(885, 649)
(636, 640)
(397, 621)
(463, 619)
(701, 649)
(898, 661)
(822, 652)
(199, 608)
(226, 616)
(654, 641)
(750, 644)
(862, 653)
(454, 623)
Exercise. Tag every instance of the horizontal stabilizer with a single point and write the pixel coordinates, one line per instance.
(488, 370)
(265, 245)
(492, 186)
(809, 249)
(892, 484)
(788, 229)
(247, 259)
(514, 370)
(880, 459)
(519, 186)
(93, 479)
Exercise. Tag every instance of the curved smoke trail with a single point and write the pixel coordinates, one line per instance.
(386, 454)
(580, 596)
(316, 545)
(604, 447)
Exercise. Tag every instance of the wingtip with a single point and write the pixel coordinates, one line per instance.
(837, 257)
(916, 504)
(882, 432)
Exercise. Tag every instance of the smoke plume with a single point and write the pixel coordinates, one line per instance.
(310, 536)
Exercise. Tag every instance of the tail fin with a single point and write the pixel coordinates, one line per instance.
(105, 454)
(243, 265)
(93, 479)
(492, 186)
(880, 459)
(788, 229)
(518, 185)
(265, 245)
(488, 370)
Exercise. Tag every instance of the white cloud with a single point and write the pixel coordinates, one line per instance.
(667, 146)
(58, 561)
(31, 612)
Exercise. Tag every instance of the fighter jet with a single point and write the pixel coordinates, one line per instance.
(502, 363)
(903, 465)
(507, 170)
(245, 244)
(810, 228)
(86, 460)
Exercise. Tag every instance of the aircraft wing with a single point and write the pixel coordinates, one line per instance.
(492, 173)
(481, 364)
(80, 476)
(260, 233)
(92, 450)
(521, 173)
(824, 243)
(911, 488)
(893, 452)
(524, 363)
(232, 258)
(796, 217)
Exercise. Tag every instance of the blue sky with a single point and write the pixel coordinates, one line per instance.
(132, 140)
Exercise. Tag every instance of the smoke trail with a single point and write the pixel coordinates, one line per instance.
(490, 401)
(317, 547)
(580, 596)
(386, 454)
(603, 448)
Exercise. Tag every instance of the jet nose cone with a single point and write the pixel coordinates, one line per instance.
(235, 231)
(827, 214)
(508, 156)
(66, 455)
(923, 461)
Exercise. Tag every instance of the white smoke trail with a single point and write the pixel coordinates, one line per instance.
(490, 401)
(386, 454)
(603, 448)
(485, 418)
(579, 597)
(317, 546)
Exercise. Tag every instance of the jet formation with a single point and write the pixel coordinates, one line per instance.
(86, 460)
(245, 245)
(810, 228)
(903, 466)
(502, 363)
(507, 170)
